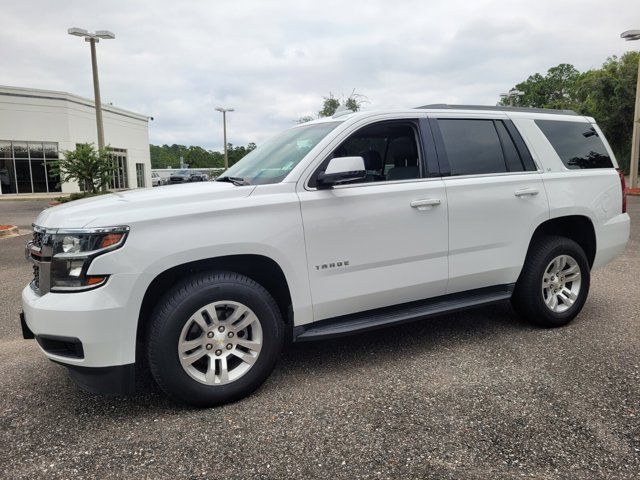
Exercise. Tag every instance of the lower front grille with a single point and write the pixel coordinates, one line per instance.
(61, 346)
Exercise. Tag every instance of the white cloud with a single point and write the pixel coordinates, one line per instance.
(273, 62)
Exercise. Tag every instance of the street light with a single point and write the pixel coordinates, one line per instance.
(635, 139)
(513, 93)
(224, 129)
(93, 38)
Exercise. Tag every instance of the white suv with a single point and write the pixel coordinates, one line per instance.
(334, 227)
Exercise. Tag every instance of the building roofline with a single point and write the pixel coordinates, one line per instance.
(6, 90)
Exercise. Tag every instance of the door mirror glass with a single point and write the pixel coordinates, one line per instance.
(342, 170)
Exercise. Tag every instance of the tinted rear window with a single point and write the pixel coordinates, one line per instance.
(577, 144)
(472, 146)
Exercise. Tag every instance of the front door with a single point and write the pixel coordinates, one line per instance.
(381, 241)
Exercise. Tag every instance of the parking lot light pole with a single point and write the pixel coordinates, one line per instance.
(224, 130)
(93, 38)
(630, 35)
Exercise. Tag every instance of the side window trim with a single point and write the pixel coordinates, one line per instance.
(502, 140)
(430, 158)
(443, 160)
(523, 150)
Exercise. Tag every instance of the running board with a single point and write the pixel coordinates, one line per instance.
(407, 312)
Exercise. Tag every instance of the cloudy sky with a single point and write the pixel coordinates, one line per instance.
(273, 61)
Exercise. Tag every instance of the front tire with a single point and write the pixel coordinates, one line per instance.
(214, 339)
(554, 283)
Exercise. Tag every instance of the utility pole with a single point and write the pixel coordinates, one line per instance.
(93, 38)
(630, 35)
(224, 130)
(96, 94)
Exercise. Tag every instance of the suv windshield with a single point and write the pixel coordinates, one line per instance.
(274, 159)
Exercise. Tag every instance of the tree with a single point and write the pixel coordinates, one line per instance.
(556, 89)
(606, 94)
(167, 156)
(331, 104)
(236, 153)
(91, 168)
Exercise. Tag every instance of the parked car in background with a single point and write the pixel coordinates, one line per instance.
(334, 227)
(156, 179)
(185, 176)
(198, 177)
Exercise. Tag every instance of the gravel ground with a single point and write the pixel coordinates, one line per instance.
(474, 395)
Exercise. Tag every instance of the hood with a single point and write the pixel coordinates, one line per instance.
(146, 204)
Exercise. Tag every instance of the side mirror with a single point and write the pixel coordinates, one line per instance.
(341, 170)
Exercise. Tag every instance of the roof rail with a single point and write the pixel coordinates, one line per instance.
(444, 106)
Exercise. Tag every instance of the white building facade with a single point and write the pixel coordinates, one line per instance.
(37, 126)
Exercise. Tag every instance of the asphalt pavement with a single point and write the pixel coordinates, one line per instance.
(474, 395)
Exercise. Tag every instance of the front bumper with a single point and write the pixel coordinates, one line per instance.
(98, 320)
(90, 333)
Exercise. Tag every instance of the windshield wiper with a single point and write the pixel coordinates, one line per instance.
(237, 181)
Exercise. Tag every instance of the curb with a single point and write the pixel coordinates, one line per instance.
(635, 192)
(8, 230)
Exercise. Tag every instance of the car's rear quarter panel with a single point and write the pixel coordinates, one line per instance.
(593, 193)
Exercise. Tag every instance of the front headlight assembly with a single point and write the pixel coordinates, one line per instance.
(74, 250)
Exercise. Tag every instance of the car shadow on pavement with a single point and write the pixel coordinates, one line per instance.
(348, 356)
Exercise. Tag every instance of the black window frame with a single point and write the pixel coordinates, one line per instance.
(427, 157)
(526, 158)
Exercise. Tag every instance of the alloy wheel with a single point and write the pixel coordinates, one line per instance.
(561, 283)
(220, 342)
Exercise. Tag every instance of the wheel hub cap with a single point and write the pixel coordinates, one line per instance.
(561, 283)
(220, 342)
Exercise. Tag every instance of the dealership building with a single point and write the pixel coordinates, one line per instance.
(37, 126)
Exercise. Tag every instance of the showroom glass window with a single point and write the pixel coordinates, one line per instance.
(27, 167)
(140, 174)
(120, 179)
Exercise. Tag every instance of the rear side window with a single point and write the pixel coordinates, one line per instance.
(577, 144)
(472, 146)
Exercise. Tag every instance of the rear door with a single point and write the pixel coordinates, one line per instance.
(496, 199)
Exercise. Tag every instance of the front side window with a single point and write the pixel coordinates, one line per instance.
(272, 161)
(472, 146)
(577, 144)
(389, 151)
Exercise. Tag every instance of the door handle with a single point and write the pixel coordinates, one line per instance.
(425, 204)
(526, 191)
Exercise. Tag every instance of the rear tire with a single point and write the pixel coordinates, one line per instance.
(554, 283)
(214, 338)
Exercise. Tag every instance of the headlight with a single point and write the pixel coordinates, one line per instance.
(73, 252)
